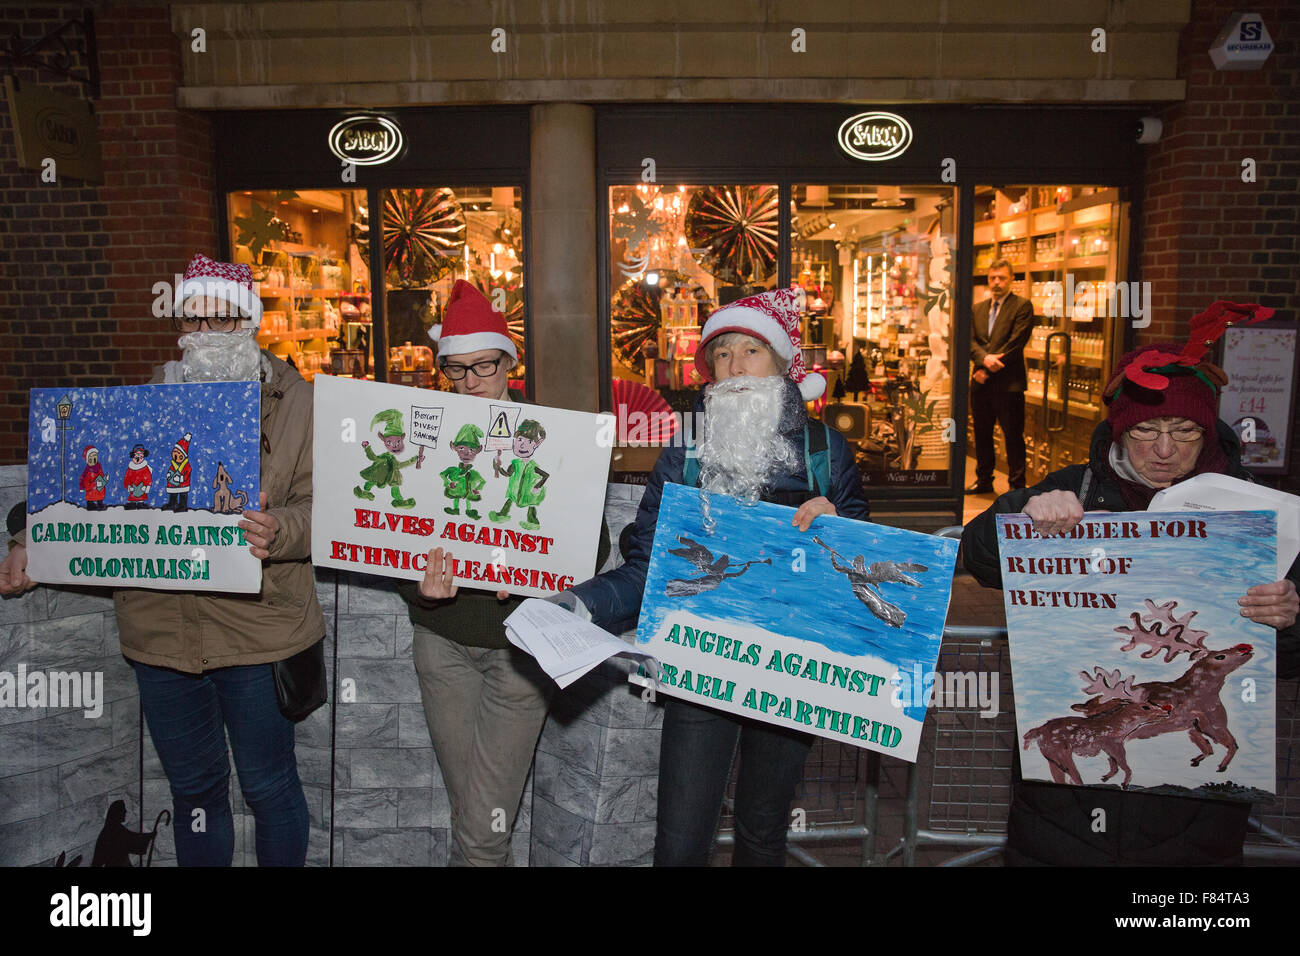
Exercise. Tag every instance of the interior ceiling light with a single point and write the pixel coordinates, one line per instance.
(888, 197)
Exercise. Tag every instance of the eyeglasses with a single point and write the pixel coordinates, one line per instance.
(480, 369)
(190, 323)
(1183, 433)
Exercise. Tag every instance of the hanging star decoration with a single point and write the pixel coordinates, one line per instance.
(1150, 368)
(638, 225)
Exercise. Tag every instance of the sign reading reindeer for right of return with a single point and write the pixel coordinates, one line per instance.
(1131, 663)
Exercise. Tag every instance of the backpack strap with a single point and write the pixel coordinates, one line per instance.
(1084, 486)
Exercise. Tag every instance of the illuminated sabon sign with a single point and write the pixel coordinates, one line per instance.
(875, 136)
(366, 140)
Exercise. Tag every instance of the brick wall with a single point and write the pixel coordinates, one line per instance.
(1207, 235)
(78, 260)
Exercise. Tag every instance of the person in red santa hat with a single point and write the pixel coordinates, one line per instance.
(484, 700)
(93, 481)
(138, 479)
(758, 445)
(1162, 427)
(178, 476)
(205, 666)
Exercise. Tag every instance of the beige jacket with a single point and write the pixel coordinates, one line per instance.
(198, 631)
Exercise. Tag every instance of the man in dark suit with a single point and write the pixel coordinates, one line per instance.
(1001, 326)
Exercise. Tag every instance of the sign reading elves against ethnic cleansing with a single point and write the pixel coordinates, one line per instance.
(817, 631)
(144, 486)
(1131, 663)
(524, 518)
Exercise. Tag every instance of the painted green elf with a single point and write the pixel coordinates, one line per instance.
(526, 479)
(462, 481)
(386, 470)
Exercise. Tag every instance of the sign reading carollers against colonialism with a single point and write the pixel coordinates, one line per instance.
(817, 631)
(400, 471)
(1133, 665)
(144, 486)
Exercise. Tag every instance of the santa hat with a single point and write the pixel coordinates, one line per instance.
(85, 452)
(231, 283)
(771, 317)
(470, 324)
(184, 445)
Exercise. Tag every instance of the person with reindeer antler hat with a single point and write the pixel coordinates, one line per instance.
(1162, 426)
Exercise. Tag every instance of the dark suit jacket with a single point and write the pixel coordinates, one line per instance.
(1011, 331)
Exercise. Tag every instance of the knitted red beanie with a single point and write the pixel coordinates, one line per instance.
(1187, 396)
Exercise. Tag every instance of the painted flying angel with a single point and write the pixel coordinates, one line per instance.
(715, 571)
(866, 581)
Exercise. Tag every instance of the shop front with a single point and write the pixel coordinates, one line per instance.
(357, 224)
(887, 221)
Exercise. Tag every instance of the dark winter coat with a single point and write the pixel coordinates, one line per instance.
(614, 598)
(1053, 824)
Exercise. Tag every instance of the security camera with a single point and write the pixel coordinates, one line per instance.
(1149, 129)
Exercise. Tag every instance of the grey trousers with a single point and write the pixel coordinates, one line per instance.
(485, 709)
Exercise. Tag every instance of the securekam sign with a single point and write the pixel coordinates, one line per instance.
(875, 136)
(366, 140)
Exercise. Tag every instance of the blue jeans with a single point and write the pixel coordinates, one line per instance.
(694, 764)
(188, 717)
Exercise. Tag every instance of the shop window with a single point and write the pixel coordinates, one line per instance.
(432, 237)
(876, 268)
(677, 252)
(1067, 246)
(313, 280)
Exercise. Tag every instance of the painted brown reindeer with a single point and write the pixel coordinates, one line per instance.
(1120, 711)
(1193, 697)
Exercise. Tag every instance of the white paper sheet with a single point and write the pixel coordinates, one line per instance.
(565, 646)
(1224, 493)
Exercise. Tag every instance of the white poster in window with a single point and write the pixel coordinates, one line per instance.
(1258, 401)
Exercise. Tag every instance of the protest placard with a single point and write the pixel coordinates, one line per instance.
(144, 486)
(1131, 663)
(818, 631)
(525, 519)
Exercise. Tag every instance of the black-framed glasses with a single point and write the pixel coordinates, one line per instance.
(480, 369)
(193, 323)
(1183, 433)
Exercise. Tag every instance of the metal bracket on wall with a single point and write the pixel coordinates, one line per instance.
(55, 52)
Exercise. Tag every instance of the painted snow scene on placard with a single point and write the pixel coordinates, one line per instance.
(513, 491)
(1131, 663)
(822, 631)
(144, 485)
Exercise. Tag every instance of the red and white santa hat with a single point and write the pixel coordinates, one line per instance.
(231, 283)
(183, 445)
(772, 317)
(470, 324)
(85, 452)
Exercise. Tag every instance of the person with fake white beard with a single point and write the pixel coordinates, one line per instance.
(758, 445)
(204, 661)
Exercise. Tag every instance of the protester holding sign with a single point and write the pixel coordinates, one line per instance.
(1162, 427)
(484, 700)
(202, 660)
(758, 445)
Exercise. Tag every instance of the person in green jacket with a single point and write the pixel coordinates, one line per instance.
(385, 470)
(526, 479)
(462, 481)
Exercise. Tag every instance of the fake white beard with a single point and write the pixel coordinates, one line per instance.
(743, 447)
(220, 356)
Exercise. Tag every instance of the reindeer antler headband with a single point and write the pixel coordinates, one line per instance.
(1150, 368)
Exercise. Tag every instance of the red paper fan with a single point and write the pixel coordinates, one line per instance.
(644, 418)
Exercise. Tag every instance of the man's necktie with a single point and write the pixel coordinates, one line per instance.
(993, 316)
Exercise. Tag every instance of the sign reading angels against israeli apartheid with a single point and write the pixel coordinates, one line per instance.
(817, 631)
(1131, 663)
(400, 471)
(144, 486)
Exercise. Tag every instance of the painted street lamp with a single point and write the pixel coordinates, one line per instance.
(64, 410)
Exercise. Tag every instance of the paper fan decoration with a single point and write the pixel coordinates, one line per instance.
(643, 415)
(634, 318)
(424, 235)
(732, 231)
